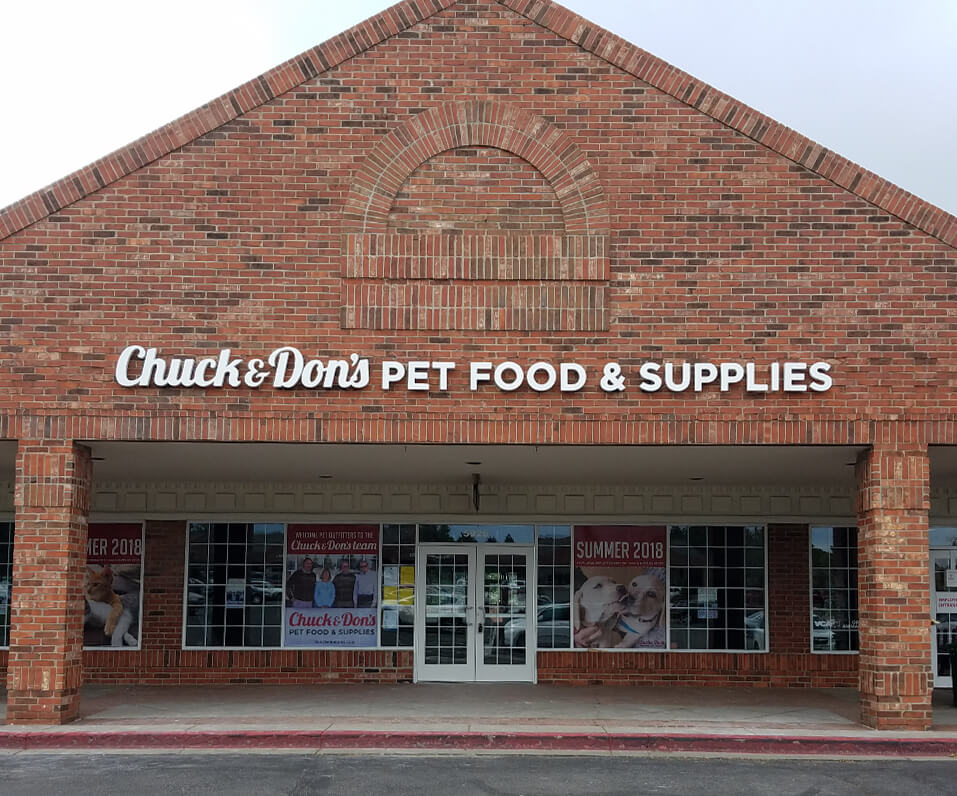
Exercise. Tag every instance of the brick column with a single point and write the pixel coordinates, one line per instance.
(894, 588)
(51, 498)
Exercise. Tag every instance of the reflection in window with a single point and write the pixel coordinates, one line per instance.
(234, 585)
(6, 580)
(504, 602)
(834, 589)
(717, 587)
(398, 585)
(554, 586)
(943, 537)
(480, 534)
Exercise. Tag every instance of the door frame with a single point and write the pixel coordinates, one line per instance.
(939, 552)
(449, 672)
(502, 673)
(469, 672)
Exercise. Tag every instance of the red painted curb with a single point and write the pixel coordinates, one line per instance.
(503, 741)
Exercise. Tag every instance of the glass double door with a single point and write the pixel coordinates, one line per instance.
(472, 607)
(943, 598)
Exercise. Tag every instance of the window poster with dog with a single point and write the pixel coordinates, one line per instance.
(332, 579)
(620, 586)
(113, 590)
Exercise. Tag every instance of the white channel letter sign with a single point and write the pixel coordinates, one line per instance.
(287, 368)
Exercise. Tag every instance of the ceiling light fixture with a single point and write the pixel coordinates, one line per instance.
(476, 496)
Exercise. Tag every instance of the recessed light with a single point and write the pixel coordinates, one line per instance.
(474, 464)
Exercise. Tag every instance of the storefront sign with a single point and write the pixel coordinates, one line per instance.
(331, 585)
(947, 603)
(288, 368)
(620, 587)
(113, 590)
(951, 578)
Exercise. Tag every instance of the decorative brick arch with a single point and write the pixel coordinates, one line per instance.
(476, 280)
(487, 124)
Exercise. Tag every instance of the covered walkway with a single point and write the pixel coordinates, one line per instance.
(502, 716)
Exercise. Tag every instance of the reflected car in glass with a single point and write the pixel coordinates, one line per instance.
(551, 621)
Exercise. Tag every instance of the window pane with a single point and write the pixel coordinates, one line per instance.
(6, 580)
(718, 595)
(554, 587)
(230, 585)
(833, 589)
(397, 612)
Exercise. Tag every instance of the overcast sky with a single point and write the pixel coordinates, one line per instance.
(875, 80)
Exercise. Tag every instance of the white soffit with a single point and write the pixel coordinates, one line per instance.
(519, 464)
(498, 464)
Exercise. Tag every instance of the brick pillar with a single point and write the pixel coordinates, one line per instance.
(51, 498)
(894, 588)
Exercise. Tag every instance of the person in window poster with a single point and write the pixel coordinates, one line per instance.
(365, 589)
(325, 594)
(345, 584)
(301, 585)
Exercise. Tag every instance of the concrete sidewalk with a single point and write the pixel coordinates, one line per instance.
(505, 716)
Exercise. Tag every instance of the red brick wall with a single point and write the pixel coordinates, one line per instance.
(717, 246)
(789, 600)
(476, 188)
(754, 670)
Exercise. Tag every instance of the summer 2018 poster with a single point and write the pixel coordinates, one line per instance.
(113, 589)
(620, 589)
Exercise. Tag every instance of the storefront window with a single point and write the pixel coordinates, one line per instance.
(554, 586)
(234, 591)
(6, 580)
(717, 584)
(943, 537)
(398, 586)
(834, 589)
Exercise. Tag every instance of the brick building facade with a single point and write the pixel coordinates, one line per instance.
(469, 182)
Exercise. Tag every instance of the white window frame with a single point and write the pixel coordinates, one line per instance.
(7, 519)
(810, 591)
(767, 622)
(282, 637)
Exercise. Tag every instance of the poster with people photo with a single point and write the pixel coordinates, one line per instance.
(620, 587)
(332, 579)
(113, 589)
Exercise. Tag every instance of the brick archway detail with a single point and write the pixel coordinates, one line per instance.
(479, 123)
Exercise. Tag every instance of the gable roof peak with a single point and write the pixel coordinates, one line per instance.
(548, 14)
